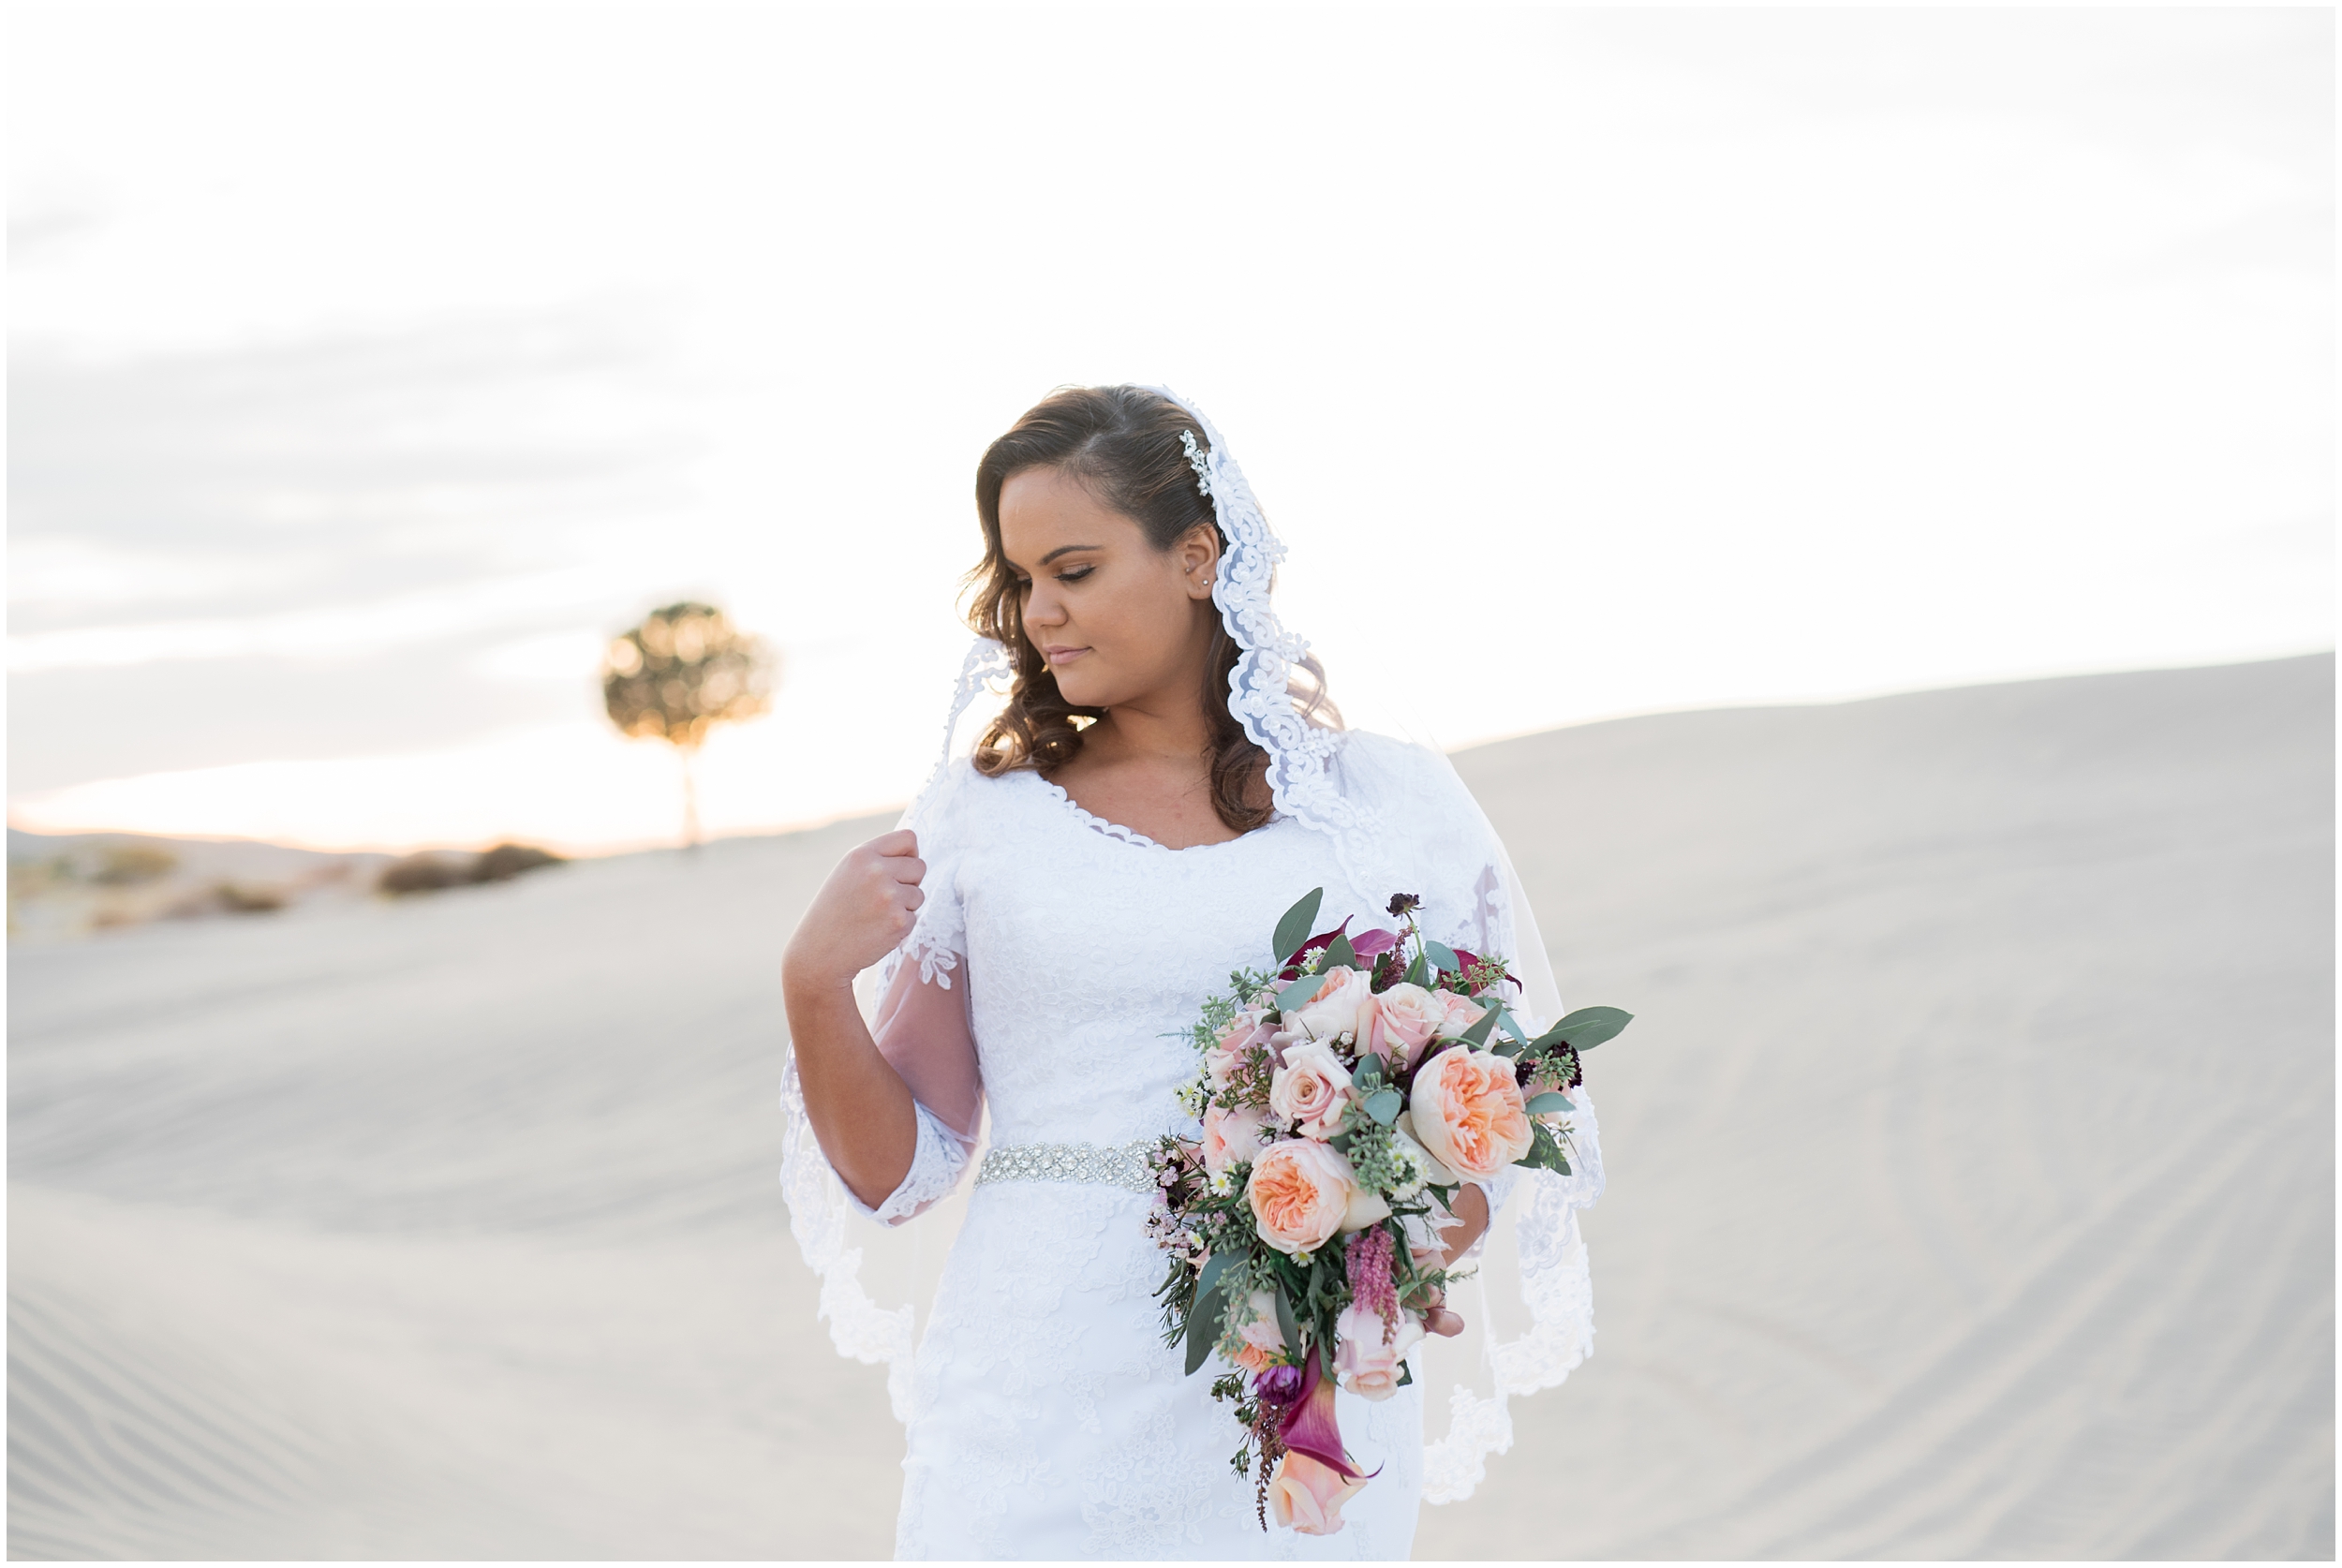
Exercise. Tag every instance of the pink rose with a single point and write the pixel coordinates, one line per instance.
(1468, 1112)
(1243, 1036)
(1237, 1028)
(1370, 1350)
(1333, 1007)
(1264, 1341)
(1231, 1137)
(1299, 1191)
(1312, 1089)
(1461, 1013)
(1398, 1024)
(1306, 1495)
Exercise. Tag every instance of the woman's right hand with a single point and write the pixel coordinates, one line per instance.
(862, 913)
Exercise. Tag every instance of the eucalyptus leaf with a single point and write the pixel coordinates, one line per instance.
(1540, 1104)
(1285, 1326)
(1406, 1375)
(1339, 954)
(1419, 972)
(1478, 1033)
(1214, 1267)
(1384, 1105)
(1444, 955)
(1203, 1320)
(1588, 1026)
(1293, 929)
(1367, 1074)
(1292, 997)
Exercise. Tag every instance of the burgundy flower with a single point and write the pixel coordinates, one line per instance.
(1279, 1385)
(1311, 1427)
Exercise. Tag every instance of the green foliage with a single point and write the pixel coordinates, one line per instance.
(1294, 926)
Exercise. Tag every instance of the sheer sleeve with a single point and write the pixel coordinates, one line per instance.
(916, 1001)
(922, 1029)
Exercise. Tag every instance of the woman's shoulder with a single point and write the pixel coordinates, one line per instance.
(1369, 758)
(966, 804)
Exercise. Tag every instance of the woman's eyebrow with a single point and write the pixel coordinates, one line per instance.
(1065, 550)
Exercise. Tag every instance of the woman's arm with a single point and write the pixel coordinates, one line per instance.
(860, 1107)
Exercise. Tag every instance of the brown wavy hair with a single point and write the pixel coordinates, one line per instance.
(1122, 443)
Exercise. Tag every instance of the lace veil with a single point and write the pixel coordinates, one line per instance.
(1399, 819)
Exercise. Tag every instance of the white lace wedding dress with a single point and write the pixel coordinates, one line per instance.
(1047, 1417)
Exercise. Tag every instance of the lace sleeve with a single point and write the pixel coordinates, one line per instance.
(935, 1170)
(1533, 1296)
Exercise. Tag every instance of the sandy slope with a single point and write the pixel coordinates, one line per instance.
(1972, 1173)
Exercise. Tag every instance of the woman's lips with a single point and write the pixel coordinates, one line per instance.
(1057, 654)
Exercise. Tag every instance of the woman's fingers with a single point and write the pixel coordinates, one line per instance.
(902, 841)
(1442, 1321)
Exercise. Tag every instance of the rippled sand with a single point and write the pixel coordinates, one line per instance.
(1971, 1161)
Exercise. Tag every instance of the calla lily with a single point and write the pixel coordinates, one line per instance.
(1311, 1427)
(1318, 943)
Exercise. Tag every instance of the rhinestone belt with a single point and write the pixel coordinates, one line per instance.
(1124, 1166)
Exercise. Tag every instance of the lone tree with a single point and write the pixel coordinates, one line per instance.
(684, 671)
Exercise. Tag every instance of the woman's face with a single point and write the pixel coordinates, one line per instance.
(1118, 620)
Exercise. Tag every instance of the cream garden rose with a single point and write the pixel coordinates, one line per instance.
(1468, 1112)
(1312, 1089)
(1367, 1362)
(1299, 1192)
(1462, 1013)
(1333, 1008)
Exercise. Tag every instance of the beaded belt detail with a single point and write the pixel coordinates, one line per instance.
(1124, 1166)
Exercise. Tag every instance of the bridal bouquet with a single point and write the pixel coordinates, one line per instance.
(1344, 1096)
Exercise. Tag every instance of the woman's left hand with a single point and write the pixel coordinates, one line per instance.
(1472, 1208)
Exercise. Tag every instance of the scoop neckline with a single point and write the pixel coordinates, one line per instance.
(1121, 835)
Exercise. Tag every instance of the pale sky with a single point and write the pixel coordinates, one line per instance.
(370, 367)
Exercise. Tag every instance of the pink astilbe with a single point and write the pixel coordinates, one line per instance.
(1371, 1287)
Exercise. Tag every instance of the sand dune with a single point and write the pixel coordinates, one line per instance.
(1971, 1173)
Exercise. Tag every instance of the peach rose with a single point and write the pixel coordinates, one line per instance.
(1461, 1013)
(1333, 1007)
(1306, 1495)
(1468, 1112)
(1231, 1137)
(1299, 1191)
(1264, 1341)
(1398, 1024)
(1371, 1350)
(1312, 1089)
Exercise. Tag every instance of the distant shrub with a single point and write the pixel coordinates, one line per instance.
(127, 864)
(508, 861)
(238, 899)
(219, 898)
(422, 873)
(429, 873)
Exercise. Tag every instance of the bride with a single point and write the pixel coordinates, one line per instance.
(1165, 780)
